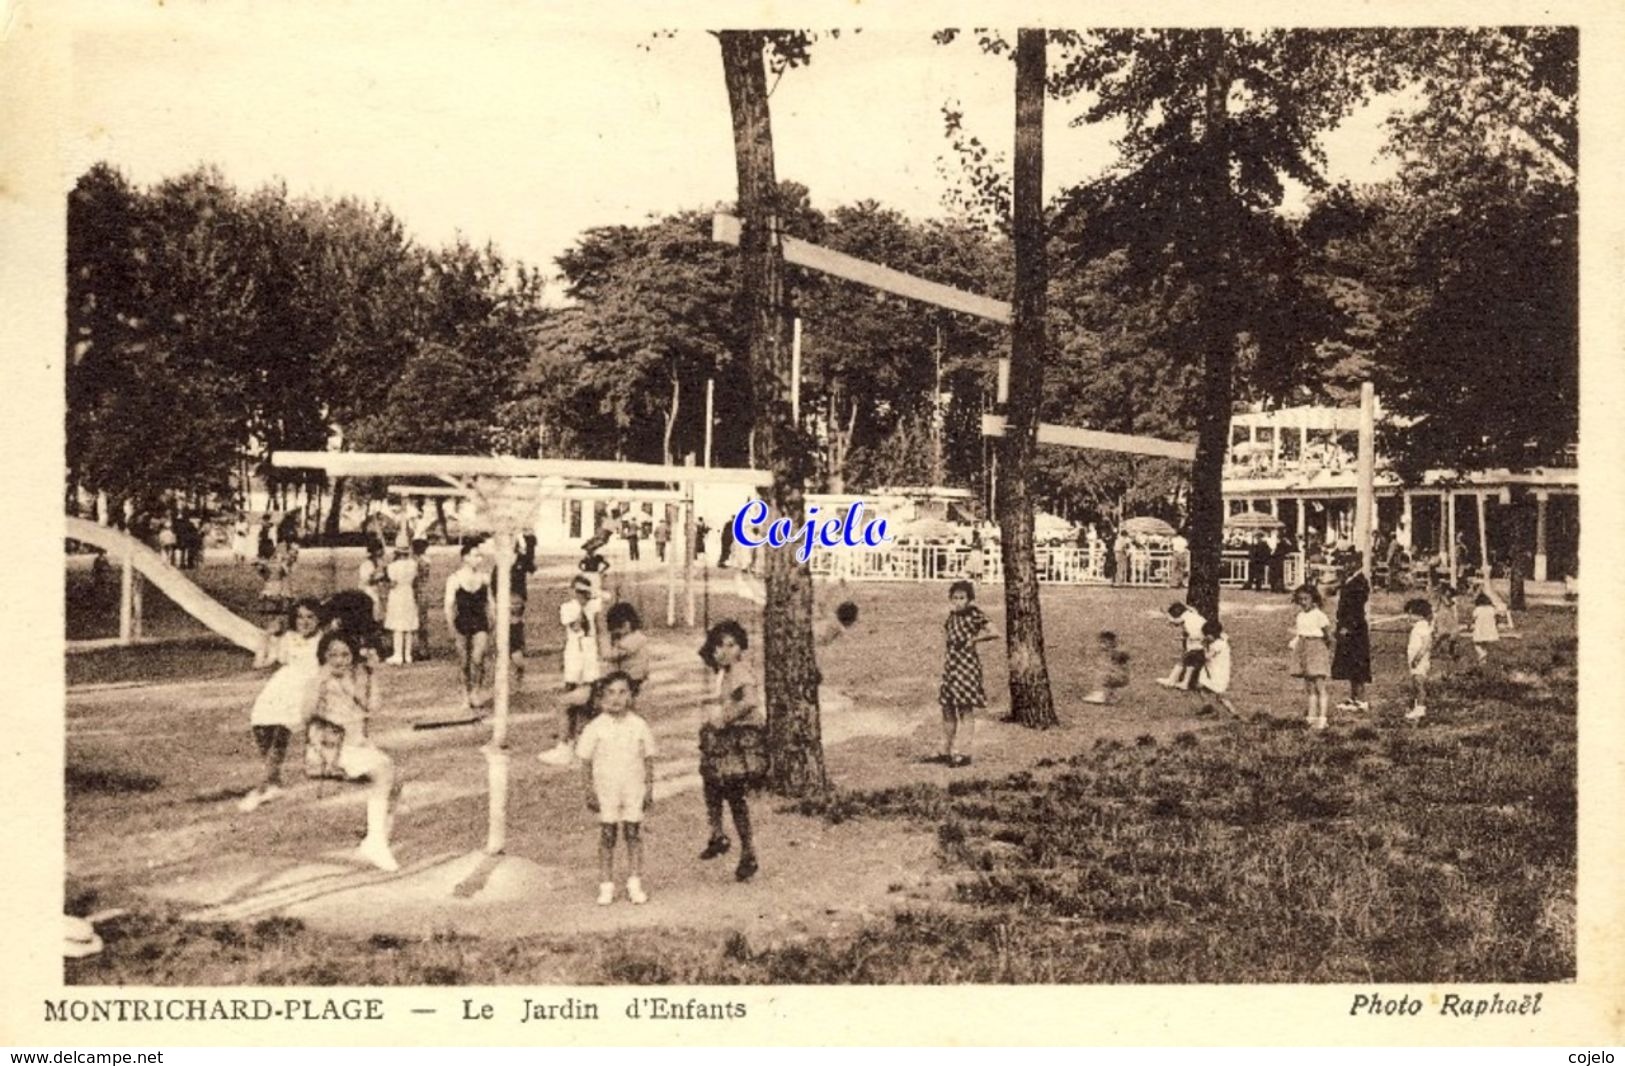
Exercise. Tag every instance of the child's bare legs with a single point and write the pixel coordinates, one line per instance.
(273, 745)
(740, 806)
(967, 718)
(606, 851)
(1319, 701)
(1482, 653)
(950, 729)
(275, 751)
(633, 831)
(383, 789)
(472, 648)
(407, 640)
(713, 817)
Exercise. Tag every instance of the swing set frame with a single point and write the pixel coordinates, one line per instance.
(506, 492)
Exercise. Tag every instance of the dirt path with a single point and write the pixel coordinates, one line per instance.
(155, 771)
(173, 833)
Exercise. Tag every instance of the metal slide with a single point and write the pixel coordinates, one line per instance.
(123, 549)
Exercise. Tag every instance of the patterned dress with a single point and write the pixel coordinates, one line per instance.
(962, 668)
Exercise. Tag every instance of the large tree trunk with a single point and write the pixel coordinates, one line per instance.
(1218, 344)
(790, 672)
(1031, 702)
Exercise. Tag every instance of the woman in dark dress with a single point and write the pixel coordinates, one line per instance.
(1351, 658)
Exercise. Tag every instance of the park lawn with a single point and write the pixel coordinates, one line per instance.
(1136, 843)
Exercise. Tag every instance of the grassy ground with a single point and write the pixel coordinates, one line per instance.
(1137, 843)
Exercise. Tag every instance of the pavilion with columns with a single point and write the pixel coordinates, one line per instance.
(1298, 464)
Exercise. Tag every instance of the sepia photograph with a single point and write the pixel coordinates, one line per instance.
(568, 504)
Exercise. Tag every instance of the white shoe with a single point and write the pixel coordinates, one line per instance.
(634, 891)
(1318, 724)
(559, 755)
(606, 893)
(270, 792)
(251, 802)
(395, 660)
(1416, 713)
(376, 853)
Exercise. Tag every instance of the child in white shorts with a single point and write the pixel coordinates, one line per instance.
(617, 751)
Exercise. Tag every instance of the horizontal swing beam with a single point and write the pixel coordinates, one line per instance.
(569, 493)
(374, 464)
(725, 230)
(1098, 440)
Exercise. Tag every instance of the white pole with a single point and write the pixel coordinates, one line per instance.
(688, 549)
(710, 419)
(126, 600)
(936, 412)
(1450, 532)
(496, 752)
(1365, 498)
(795, 371)
(1541, 500)
(671, 568)
(1483, 540)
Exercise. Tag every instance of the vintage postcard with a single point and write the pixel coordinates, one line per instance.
(580, 524)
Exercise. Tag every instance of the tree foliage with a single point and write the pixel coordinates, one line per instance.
(208, 328)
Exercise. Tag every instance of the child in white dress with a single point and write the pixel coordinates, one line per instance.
(401, 605)
(1485, 632)
(1419, 655)
(279, 709)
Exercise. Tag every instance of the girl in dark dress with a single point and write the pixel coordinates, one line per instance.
(961, 691)
(732, 753)
(1351, 657)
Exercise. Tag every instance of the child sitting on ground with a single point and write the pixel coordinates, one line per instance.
(1191, 657)
(617, 751)
(1214, 678)
(1419, 654)
(1110, 669)
(830, 630)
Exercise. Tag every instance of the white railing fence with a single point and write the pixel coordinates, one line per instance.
(1061, 566)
